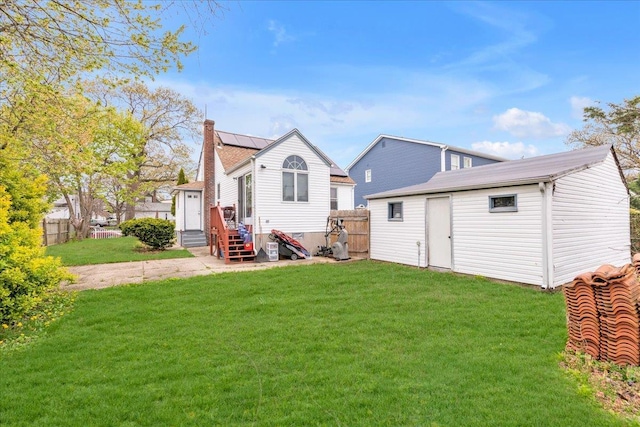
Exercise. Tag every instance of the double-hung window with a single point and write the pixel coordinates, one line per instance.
(334, 198)
(455, 162)
(295, 180)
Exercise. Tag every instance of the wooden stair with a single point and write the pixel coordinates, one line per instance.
(235, 250)
(224, 239)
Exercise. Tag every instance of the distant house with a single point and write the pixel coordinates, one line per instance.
(391, 162)
(540, 221)
(286, 184)
(153, 208)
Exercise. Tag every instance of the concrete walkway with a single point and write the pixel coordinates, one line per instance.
(106, 275)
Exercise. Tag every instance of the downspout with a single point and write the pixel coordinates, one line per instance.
(254, 215)
(443, 158)
(546, 189)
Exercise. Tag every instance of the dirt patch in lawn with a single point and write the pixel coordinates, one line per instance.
(617, 388)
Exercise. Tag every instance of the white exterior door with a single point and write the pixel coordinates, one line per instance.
(192, 210)
(439, 232)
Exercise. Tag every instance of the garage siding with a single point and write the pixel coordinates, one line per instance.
(501, 245)
(396, 241)
(590, 221)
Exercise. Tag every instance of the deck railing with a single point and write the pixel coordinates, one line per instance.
(221, 219)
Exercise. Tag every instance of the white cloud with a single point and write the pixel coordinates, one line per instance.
(578, 104)
(279, 33)
(529, 124)
(509, 150)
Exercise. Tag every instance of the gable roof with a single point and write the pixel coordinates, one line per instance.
(194, 185)
(423, 142)
(235, 150)
(514, 172)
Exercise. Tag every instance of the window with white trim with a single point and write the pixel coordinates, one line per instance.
(395, 211)
(503, 203)
(455, 162)
(295, 180)
(334, 198)
(367, 175)
(467, 162)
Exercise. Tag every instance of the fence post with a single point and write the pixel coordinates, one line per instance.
(45, 240)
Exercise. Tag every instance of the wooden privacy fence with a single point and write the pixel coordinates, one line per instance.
(55, 231)
(356, 222)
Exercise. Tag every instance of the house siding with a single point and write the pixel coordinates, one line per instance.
(228, 186)
(290, 217)
(475, 160)
(596, 200)
(501, 245)
(345, 196)
(396, 241)
(417, 163)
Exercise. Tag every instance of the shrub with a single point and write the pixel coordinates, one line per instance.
(153, 232)
(26, 275)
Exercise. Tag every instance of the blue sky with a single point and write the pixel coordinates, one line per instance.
(507, 78)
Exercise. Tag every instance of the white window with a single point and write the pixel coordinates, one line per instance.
(505, 203)
(455, 162)
(334, 199)
(367, 175)
(467, 162)
(295, 180)
(395, 211)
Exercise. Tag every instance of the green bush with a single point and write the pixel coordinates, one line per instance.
(26, 274)
(153, 232)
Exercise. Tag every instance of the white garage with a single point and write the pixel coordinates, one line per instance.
(539, 221)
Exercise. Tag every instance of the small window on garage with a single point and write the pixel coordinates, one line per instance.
(395, 211)
(505, 203)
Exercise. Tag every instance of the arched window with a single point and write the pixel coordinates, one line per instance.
(295, 180)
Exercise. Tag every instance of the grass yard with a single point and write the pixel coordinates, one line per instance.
(105, 251)
(352, 344)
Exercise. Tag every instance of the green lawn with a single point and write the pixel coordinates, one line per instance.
(105, 251)
(349, 344)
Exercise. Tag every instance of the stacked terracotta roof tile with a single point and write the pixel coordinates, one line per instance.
(602, 314)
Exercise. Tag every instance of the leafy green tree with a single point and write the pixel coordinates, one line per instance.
(46, 48)
(618, 124)
(182, 179)
(168, 119)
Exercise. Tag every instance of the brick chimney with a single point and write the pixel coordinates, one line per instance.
(208, 158)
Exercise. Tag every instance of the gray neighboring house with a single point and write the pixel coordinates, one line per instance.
(391, 162)
(540, 221)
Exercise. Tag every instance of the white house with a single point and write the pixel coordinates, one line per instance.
(286, 184)
(539, 221)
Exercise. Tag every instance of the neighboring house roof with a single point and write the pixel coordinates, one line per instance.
(418, 141)
(515, 172)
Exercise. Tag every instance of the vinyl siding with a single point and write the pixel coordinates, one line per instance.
(395, 241)
(345, 196)
(590, 221)
(228, 186)
(394, 164)
(501, 245)
(475, 160)
(290, 217)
